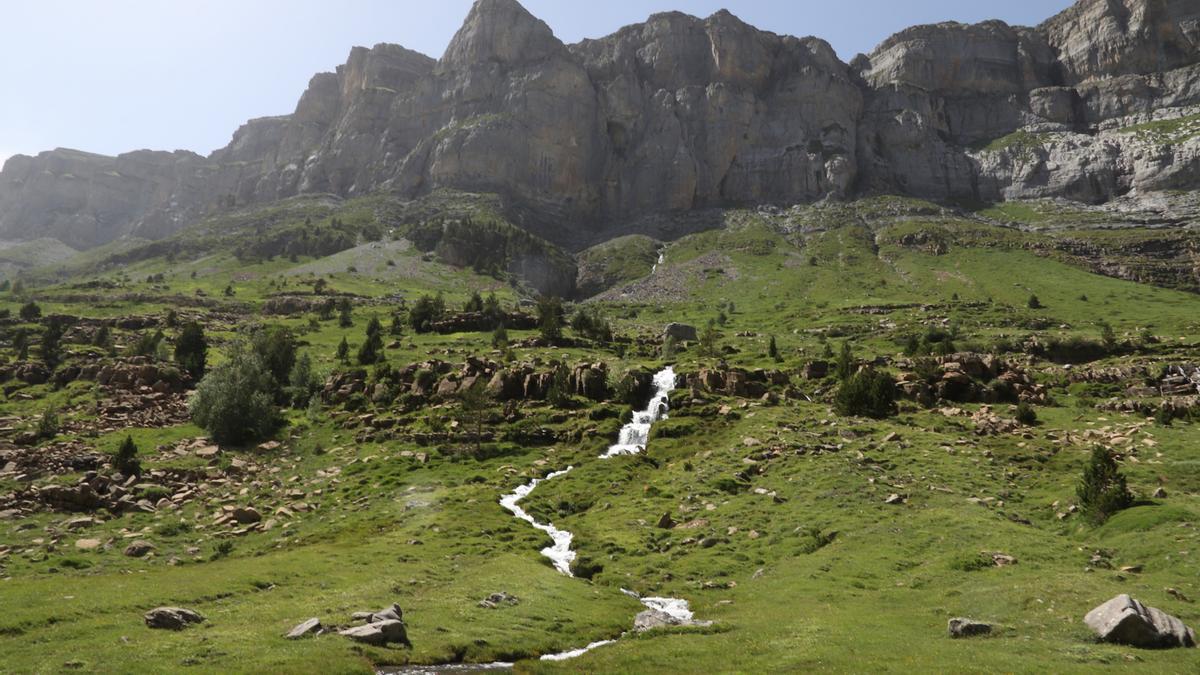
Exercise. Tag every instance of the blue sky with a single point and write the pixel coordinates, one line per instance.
(121, 75)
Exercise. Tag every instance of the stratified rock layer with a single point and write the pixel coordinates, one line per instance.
(679, 113)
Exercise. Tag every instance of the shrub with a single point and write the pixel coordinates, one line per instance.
(47, 426)
(426, 311)
(1102, 490)
(869, 393)
(235, 402)
(275, 346)
(773, 350)
(1033, 302)
(1026, 414)
(345, 319)
(125, 460)
(30, 311)
(51, 346)
(303, 383)
(559, 394)
(191, 350)
(591, 324)
(500, 338)
(844, 367)
(343, 351)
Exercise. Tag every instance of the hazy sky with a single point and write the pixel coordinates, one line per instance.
(116, 75)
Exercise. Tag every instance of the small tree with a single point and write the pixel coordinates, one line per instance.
(1033, 302)
(371, 350)
(1102, 491)
(30, 311)
(47, 426)
(343, 351)
(191, 350)
(1107, 335)
(559, 393)
(125, 460)
(845, 365)
(425, 312)
(235, 402)
(1026, 414)
(710, 339)
(474, 303)
(550, 310)
(500, 338)
(147, 344)
(345, 319)
(102, 337)
(773, 350)
(302, 381)
(475, 402)
(51, 346)
(869, 393)
(276, 347)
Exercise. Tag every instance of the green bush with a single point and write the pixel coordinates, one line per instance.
(125, 459)
(1102, 490)
(235, 402)
(868, 393)
(191, 350)
(1026, 414)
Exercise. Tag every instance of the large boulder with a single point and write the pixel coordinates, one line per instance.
(680, 331)
(379, 634)
(1126, 621)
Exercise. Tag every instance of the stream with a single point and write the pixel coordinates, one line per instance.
(631, 441)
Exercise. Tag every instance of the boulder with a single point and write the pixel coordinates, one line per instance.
(654, 618)
(680, 331)
(311, 627)
(379, 634)
(138, 548)
(1126, 621)
(246, 515)
(497, 600)
(172, 618)
(959, 628)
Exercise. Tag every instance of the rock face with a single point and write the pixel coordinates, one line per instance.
(1124, 620)
(678, 113)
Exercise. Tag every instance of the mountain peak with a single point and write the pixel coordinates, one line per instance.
(500, 31)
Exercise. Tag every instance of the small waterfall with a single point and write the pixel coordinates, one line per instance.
(634, 435)
(662, 255)
(559, 552)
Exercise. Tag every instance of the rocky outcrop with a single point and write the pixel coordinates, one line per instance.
(172, 618)
(674, 114)
(1126, 621)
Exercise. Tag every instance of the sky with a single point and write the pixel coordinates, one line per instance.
(122, 75)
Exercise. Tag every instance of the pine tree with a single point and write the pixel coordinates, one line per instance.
(343, 351)
(844, 367)
(1102, 491)
(345, 320)
(125, 460)
(773, 350)
(371, 350)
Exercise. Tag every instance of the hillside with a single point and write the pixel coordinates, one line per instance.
(810, 538)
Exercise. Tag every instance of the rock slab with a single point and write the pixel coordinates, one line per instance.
(1124, 620)
(172, 618)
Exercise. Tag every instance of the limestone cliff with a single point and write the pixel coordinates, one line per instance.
(680, 113)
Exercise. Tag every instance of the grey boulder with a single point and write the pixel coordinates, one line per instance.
(172, 618)
(379, 634)
(310, 627)
(680, 331)
(1126, 621)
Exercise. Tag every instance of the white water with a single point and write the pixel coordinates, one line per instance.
(661, 257)
(631, 441)
(560, 552)
(635, 434)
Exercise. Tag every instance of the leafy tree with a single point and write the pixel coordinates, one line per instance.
(475, 402)
(869, 393)
(425, 312)
(1102, 490)
(276, 347)
(550, 312)
(125, 460)
(303, 382)
(235, 402)
(343, 350)
(147, 344)
(30, 311)
(371, 350)
(559, 393)
(191, 350)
